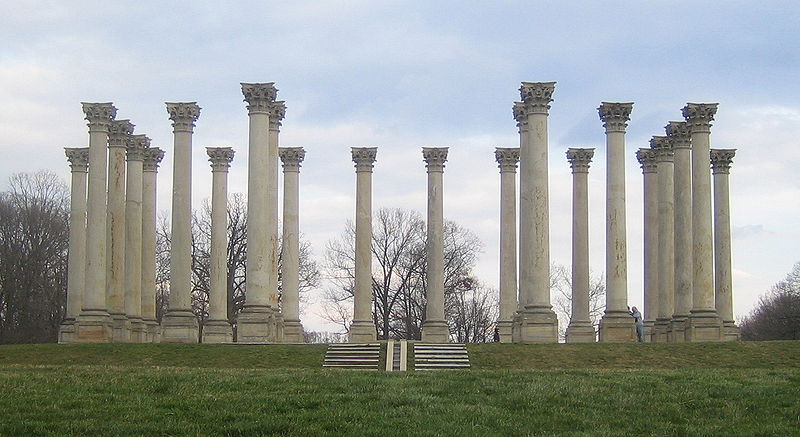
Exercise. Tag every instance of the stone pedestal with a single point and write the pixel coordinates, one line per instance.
(507, 159)
(152, 158)
(256, 322)
(538, 322)
(580, 329)
(291, 157)
(704, 323)
(434, 327)
(723, 278)
(617, 325)
(652, 329)
(79, 164)
(179, 324)
(217, 329)
(93, 325)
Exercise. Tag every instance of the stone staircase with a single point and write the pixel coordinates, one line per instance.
(438, 356)
(364, 356)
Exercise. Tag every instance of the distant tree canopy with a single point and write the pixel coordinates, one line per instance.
(776, 316)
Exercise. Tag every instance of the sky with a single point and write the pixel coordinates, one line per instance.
(400, 75)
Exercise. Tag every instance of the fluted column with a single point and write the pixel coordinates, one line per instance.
(616, 325)
(179, 324)
(647, 160)
(94, 323)
(580, 329)
(256, 322)
(115, 229)
(217, 329)
(137, 145)
(152, 158)
(76, 261)
(680, 137)
(704, 323)
(537, 321)
(721, 167)
(434, 327)
(507, 159)
(666, 234)
(363, 327)
(277, 113)
(292, 158)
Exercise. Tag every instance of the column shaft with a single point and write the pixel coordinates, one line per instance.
(115, 240)
(647, 159)
(720, 162)
(133, 236)
(290, 277)
(679, 134)
(666, 234)
(507, 158)
(434, 328)
(153, 157)
(76, 261)
(580, 329)
(363, 327)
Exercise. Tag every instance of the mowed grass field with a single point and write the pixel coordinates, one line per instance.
(726, 389)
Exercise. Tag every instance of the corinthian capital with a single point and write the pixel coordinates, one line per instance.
(220, 157)
(78, 158)
(721, 160)
(521, 115)
(135, 146)
(537, 95)
(434, 157)
(364, 157)
(679, 133)
(277, 111)
(700, 115)
(152, 157)
(647, 159)
(119, 132)
(259, 96)
(663, 148)
(615, 115)
(579, 159)
(291, 157)
(99, 115)
(507, 158)
(183, 115)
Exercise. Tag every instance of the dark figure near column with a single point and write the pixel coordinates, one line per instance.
(637, 318)
(496, 336)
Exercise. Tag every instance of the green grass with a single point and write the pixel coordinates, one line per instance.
(169, 390)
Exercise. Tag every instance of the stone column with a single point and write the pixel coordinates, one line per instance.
(363, 327)
(115, 229)
(537, 322)
(647, 160)
(680, 137)
(256, 322)
(94, 323)
(666, 235)
(152, 158)
(76, 261)
(507, 159)
(580, 329)
(721, 168)
(704, 323)
(434, 327)
(616, 325)
(277, 112)
(179, 324)
(137, 146)
(216, 328)
(291, 157)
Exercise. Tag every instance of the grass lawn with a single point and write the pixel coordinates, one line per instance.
(733, 389)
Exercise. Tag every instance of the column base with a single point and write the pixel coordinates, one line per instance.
(617, 327)
(506, 330)
(435, 331)
(66, 331)
(93, 326)
(136, 330)
(152, 331)
(279, 327)
(580, 332)
(703, 325)
(730, 332)
(649, 331)
(119, 328)
(256, 324)
(661, 331)
(677, 328)
(536, 324)
(293, 331)
(179, 326)
(217, 331)
(362, 331)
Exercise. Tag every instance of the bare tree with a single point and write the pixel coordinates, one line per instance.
(776, 316)
(34, 239)
(561, 293)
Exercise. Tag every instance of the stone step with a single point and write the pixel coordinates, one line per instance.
(365, 356)
(431, 356)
